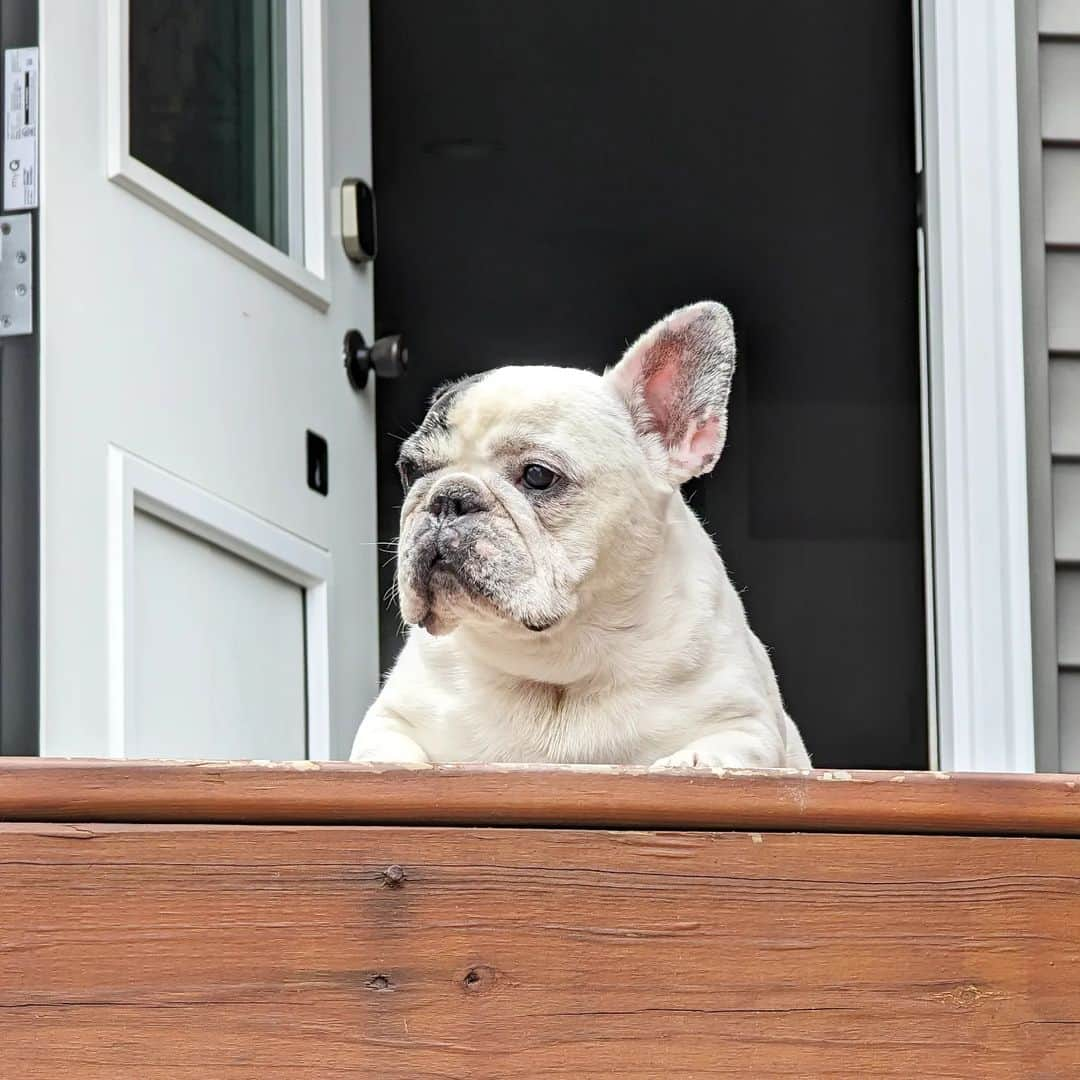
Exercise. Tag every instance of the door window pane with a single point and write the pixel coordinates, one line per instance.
(209, 100)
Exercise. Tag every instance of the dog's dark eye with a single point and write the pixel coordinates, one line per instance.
(538, 477)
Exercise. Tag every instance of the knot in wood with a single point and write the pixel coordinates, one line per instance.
(478, 978)
(393, 876)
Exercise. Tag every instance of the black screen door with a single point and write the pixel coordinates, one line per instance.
(553, 177)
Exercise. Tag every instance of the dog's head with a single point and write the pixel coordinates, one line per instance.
(529, 489)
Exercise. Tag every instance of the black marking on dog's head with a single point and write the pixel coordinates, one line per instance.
(419, 452)
(442, 399)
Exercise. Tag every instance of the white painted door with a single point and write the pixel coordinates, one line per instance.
(199, 599)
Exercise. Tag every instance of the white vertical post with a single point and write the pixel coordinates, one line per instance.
(976, 399)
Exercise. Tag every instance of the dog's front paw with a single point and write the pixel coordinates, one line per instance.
(694, 758)
(386, 748)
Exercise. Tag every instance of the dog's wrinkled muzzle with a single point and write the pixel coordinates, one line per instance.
(443, 561)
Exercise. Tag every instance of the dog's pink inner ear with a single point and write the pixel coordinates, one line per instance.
(699, 447)
(693, 438)
(658, 387)
(679, 373)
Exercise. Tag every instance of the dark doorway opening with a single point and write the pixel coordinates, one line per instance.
(553, 177)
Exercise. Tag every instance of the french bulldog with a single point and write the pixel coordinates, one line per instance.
(565, 604)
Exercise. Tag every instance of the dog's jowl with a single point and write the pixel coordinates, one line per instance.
(565, 605)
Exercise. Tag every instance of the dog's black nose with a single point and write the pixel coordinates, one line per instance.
(455, 501)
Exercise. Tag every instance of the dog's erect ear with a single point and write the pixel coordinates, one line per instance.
(676, 379)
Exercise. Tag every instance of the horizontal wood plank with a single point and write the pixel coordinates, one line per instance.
(1059, 17)
(1059, 81)
(1068, 616)
(1069, 718)
(43, 789)
(1061, 194)
(1065, 476)
(1065, 407)
(157, 952)
(1062, 310)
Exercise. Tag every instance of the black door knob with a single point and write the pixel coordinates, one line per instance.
(388, 358)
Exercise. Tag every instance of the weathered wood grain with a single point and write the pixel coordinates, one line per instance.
(36, 789)
(195, 952)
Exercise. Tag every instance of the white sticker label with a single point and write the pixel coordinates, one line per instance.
(20, 128)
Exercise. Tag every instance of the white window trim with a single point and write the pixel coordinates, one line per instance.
(134, 483)
(307, 277)
(977, 424)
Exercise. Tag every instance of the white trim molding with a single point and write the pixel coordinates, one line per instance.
(303, 273)
(978, 447)
(136, 484)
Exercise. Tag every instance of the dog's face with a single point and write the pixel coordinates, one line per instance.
(529, 489)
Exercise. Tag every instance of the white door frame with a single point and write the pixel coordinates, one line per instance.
(977, 498)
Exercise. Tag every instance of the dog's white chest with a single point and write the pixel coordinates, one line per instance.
(541, 722)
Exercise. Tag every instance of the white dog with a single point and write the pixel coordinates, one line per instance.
(566, 605)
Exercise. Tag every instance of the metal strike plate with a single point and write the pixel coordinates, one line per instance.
(16, 276)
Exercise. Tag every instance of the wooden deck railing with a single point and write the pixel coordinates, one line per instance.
(296, 921)
(306, 792)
